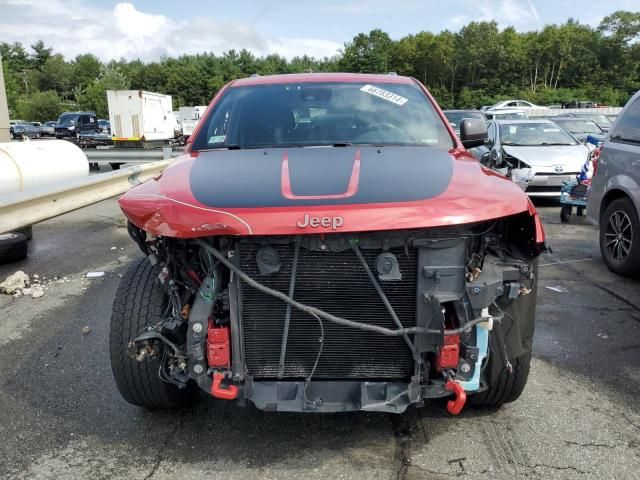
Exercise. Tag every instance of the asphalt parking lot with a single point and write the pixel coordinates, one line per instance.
(62, 417)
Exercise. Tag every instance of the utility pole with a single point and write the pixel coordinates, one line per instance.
(4, 109)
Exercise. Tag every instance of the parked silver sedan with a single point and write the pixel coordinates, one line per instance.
(538, 155)
(613, 200)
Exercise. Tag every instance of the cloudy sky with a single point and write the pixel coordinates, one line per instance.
(148, 29)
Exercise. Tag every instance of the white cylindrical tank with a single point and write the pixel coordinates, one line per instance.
(28, 165)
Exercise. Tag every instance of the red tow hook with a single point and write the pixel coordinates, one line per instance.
(454, 407)
(228, 393)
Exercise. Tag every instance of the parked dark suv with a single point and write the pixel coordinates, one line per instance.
(72, 124)
(614, 196)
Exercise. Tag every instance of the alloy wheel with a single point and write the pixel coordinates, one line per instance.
(619, 235)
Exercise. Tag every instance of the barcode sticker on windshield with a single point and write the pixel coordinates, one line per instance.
(384, 94)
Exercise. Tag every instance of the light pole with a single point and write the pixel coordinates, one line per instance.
(4, 109)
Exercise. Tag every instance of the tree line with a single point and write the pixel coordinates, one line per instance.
(478, 65)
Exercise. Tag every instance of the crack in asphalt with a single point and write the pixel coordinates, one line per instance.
(159, 455)
(630, 422)
(423, 428)
(589, 444)
(462, 473)
(402, 437)
(555, 467)
(459, 462)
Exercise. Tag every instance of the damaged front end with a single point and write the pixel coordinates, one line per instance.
(354, 321)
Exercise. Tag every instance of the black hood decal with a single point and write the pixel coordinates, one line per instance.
(319, 176)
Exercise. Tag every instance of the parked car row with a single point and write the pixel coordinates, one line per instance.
(541, 155)
(21, 129)
(538, 154)
(69, 124)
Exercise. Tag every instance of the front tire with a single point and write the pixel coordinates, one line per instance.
(508, 386)
(140, 302)
(620, 237)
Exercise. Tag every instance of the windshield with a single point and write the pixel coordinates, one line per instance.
(68, 118)
(534, 134)
(510, 116)
(579, 126)
(322, 114)
(455, 118)
(50, 124)
(601, 119)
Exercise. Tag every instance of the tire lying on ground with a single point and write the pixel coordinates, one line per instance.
(26, 231)
(13, 247)
(620, 237)
(140, 302)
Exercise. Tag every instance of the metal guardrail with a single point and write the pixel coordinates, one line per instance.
(126, 155)
(22, 209)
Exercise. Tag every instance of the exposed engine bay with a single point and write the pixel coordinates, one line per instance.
(346, 321)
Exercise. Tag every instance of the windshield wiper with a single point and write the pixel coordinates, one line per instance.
(343, 144)
(233, 146)
(556, 144)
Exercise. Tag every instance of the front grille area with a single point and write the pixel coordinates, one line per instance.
(336, 283)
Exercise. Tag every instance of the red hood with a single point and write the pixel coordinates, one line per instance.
(167, 205)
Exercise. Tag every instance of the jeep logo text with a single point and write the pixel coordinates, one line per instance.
(315, 222)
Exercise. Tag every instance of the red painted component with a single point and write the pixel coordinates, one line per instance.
(218, 349)
(352, 188)
(595, 157)
(449, 353)
(166, 206)
(194, 276)
(229, 392)
(540, 235)
(321, 77)
(455, 406)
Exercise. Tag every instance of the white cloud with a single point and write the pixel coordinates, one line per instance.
(137, 25)
(72, 27)
(534, 10)
(521, 14)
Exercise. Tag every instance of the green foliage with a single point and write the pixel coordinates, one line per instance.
(478, 65)
(56, 75)
(86, 69)
(39, 106)
(94, 97)
(367, 53)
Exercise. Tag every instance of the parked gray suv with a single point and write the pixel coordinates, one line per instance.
(614, 196)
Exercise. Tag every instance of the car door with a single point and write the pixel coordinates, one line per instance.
(92, 124)
(619, 162)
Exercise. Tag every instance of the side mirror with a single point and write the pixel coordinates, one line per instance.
(473, 132)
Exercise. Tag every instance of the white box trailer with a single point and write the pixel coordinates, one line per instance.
(189, 118)
(139, 116)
